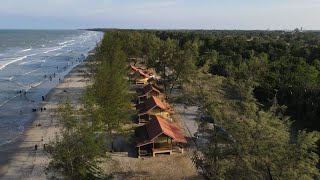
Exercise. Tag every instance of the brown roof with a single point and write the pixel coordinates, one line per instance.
(143, 73)
(140, 71)
(148, 88)
(134, 68)
(153, 102)
(158, 126)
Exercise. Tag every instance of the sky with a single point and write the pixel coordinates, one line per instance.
(160, 14)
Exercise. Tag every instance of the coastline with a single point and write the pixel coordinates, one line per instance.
(19, 159)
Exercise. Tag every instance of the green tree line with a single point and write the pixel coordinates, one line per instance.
(86, 133)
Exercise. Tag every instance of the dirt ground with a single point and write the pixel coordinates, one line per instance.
(176, 166)
(124, 165)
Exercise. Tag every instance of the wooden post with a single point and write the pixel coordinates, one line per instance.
(181, 148)
(153, 154)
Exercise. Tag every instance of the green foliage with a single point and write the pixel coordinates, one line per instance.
(271, 60)
(110, 88)
(252, 143)
(77, 150)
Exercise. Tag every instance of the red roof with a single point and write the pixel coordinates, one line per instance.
(143, 73)
(158, 126)
(148, 88)
(134, 68)
(140, 71)
(153, 102)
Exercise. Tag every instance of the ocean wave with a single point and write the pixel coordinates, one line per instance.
(70, 44)
(15, 60)
(10, 79)
(4, 102)
(31, 71)
(66, 42)
(7, 79)
(55, 49)
(36, 84)
(26, 50)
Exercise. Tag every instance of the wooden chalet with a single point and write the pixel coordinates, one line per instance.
(159, 136)
(153, 106)
(140, 76)
(147, 92)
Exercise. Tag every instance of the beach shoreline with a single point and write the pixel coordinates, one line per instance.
(19, 159)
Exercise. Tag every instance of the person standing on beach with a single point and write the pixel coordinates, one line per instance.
(36, 146)
(41, 109)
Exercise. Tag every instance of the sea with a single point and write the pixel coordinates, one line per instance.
(31, 64)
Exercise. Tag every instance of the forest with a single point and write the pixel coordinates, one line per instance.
(282, 64)
(258, 88)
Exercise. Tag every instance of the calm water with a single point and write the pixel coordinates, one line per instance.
(27, 60)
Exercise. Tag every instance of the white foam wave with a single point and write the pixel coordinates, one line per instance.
(70, 44)
(55, 49)
(31, 71)
(66, 42)
(37, 84)
(26, 50)
(23, 63)
(7, 79)
(15, 60)
(4, 102)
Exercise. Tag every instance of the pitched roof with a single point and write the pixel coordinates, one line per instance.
(153, 102)
(158, 126)
(148, 88)
(140, 71)
(143, 73)
(134, 68)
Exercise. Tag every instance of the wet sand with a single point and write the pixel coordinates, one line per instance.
(19, 159)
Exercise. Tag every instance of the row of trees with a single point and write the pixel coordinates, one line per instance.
(86, 133)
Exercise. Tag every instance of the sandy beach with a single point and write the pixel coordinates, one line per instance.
(19, 159)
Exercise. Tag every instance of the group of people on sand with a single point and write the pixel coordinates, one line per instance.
(41, 109)
(51, 76)
(43, 145)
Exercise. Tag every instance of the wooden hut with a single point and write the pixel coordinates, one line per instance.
(147, 92)
(153, 106)
(159, 136)
(140, 76)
